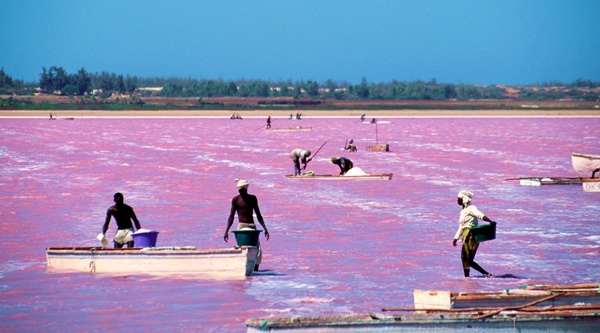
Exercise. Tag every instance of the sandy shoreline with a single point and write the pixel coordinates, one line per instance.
(305, 113)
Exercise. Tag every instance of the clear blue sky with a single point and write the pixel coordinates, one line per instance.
(473, 42)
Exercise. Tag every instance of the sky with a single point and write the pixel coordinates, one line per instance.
(507, 42)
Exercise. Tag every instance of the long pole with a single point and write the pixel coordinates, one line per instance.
(313, 155)
(318, 150)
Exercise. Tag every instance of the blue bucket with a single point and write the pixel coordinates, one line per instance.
(145, 239)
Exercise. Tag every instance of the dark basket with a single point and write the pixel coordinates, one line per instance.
(484, 233)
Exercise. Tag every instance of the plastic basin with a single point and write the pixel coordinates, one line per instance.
(145, 239)
(247, 237)
(484, 233)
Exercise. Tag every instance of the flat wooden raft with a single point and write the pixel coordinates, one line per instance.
(382, 176)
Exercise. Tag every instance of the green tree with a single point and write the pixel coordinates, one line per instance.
(6, 81)
(130, 85)
(83, 81)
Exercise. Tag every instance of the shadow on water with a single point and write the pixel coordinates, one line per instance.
(503, 276)
(267, 272)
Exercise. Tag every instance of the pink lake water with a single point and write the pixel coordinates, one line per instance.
(336, 247)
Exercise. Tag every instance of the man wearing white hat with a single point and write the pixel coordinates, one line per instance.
(245, 204)
(468, 219)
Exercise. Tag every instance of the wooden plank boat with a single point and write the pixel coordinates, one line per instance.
(238, 261)
(288, 129)
(538, 181)
(539, 311)
(562, 295)
(584, 162)
(380, 176)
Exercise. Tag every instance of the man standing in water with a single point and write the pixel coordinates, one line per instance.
(245, 204)
(123, 214)
(268, 122)
(468, 218)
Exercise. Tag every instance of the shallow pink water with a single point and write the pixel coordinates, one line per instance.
(337, 247)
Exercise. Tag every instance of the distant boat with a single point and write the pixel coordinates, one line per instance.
(287, 129)
(235, 262)
(591, 185)
(377, 122)
(569, 308)
(538, 181)
(381, 176)
(584, 162)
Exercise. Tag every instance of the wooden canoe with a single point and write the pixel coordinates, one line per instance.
(289, 129)
(534, 309)
(381, 176)
(237, 261)
(538, 181)
(563, 295)
(585, 163)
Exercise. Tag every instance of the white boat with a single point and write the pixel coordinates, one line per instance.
(380, 176)
(585, 163)
(233, 262)
(539, 181)
(560, 309)
(591, 185)
(290, 129)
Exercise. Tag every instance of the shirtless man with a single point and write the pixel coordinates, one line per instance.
(123, 214)
(245, 204)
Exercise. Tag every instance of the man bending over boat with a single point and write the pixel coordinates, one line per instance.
(299, 156)
(344, 163)
(468, 218)
(245, 204)
(123, 214)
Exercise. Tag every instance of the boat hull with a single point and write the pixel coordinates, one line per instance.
(531, 309)
(584, 162)
(222, 262)
(383, 176)
(591, 185)
(290, 129)
(585, 321)
(539, 181)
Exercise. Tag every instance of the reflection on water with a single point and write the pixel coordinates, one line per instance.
(336, 247)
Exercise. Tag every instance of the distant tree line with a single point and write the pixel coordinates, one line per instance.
(56, 80)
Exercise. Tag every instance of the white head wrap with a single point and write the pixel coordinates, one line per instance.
(242, 183)
(465, 196)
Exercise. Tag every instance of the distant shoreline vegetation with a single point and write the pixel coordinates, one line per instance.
(58, 89)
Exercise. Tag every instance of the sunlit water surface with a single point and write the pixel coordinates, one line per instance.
(336, 247)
